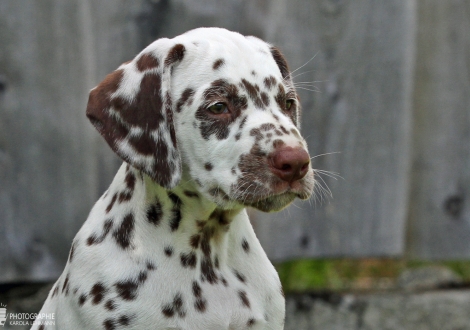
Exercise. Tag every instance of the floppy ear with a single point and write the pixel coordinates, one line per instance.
(132, 109)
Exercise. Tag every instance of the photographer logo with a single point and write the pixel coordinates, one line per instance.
(22, 319)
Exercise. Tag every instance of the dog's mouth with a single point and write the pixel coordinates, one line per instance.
(276, 197)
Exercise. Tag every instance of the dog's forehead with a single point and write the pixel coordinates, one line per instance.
(215, 52)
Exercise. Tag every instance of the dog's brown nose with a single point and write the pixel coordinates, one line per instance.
(289, 164)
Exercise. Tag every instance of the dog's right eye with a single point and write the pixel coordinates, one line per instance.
(218, 108)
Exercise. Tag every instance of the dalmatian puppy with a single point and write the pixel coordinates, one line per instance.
(207, 124)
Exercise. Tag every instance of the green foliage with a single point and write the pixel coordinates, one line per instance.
(351, 274)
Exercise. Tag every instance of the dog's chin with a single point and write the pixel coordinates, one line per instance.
(274, 203)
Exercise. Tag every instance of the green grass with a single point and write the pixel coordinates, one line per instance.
(351, 274)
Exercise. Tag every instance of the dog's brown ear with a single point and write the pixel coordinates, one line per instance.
(132, 109)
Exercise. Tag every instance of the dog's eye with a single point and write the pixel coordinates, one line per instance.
(289, 105)
(218, 108)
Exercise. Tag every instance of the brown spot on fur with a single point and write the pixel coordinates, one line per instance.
(72, 251)
(269, 82)
(224, 281)
(176, 54)
(194, 241)
(66, 284)
(109, 324)
(142, 277)
(82, 299)
(253, 93)
(280, 97)
(265, 99)
(97, 292)
(278, 143)
(250, 322)
(123, 234)
(240, 276)
(146, 62)
(244, 298)
(127, 290)
(124, 320)
(161, 164)
(188, 259)
(110, 305)
(245, 246)
(125, 196)
(267, 127)
(93, 239)
(208, 166)
(243, 122)
(200, 305)
(176, 211)
(56, 291)
(207, 271)
(111, 204)
(168, 251)
(155, 213)
(130, 181)
(197, 291)
(168, 311)
(186, 97)
(217, 64)
(177, 306)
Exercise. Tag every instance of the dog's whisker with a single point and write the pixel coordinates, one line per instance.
(309, 89)
(326, 154)
(300, 67)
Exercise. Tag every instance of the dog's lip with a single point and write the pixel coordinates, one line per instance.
(297, 188)
(274, 195)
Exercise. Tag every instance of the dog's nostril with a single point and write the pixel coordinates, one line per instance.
(286, 167)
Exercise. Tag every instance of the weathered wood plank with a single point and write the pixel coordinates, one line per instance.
(364, 62)
(440, 191)
(53, 165)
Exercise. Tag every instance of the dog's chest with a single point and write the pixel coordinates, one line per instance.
(145, 264)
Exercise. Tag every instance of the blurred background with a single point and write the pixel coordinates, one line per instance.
(385, 89)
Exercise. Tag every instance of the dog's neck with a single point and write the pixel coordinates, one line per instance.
(190, 226)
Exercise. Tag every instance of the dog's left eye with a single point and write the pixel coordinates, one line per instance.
(289, 105)
(218, 108)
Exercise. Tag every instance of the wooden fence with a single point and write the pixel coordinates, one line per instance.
(393, 107)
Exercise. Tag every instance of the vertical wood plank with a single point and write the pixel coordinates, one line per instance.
(53, 166)
(440, 191)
